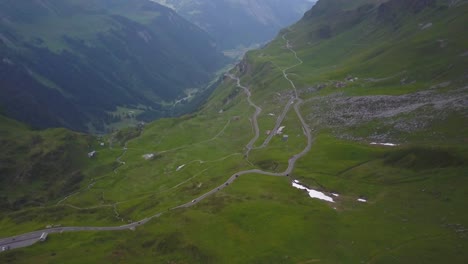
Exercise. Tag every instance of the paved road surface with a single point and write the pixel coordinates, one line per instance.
(28, 239)
(291, 161)
(278, 123)
(33, 237)
(291, 102)
(258, 110)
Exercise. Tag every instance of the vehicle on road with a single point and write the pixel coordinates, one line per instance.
(5, 248)
(43, 237)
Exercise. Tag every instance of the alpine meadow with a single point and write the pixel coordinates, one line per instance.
(342, 140)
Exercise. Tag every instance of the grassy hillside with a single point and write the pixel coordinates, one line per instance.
(39, 166)
(360, 88)
(369, 77)
(101, 56)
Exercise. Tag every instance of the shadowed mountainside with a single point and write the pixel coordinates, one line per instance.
(72, 63)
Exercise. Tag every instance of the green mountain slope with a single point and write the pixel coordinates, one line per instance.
(393, 69)
(72, 63)
(384, 112)
(38, 166)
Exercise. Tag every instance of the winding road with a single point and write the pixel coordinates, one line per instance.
(28, 239)
(258, 110)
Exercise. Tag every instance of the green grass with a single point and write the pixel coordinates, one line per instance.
(269, 221)
(416, 192)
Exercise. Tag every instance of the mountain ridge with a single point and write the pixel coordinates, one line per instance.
(99, 59)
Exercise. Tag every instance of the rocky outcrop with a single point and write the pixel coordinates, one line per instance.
(391, 9)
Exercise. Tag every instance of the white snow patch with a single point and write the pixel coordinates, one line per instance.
(384, 144)
(298, 186)
(464, 54)
(180, 167)
(280, 130)
(362, 200)
(296, 181)
(426, 26)
(314, 193)
(271, 114)
(335, 194)
(148, 156)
